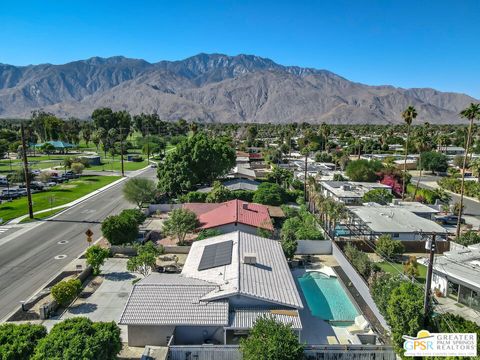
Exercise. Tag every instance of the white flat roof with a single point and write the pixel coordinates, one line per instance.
(389, 219)
(351, 189)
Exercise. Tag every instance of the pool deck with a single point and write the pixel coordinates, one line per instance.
(315, 330)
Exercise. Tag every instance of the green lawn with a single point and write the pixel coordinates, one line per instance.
(56, 196)
(110, 164)
(398, 269)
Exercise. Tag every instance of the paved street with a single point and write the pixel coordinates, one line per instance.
(472, 207)
(28, 252)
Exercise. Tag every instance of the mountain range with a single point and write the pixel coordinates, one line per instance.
(215, 88)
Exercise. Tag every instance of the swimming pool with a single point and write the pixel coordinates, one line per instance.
(327, 299)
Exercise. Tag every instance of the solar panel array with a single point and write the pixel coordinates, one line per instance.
(216, 255)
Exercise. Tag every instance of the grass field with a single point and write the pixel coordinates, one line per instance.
(56, 196)
(396, 269)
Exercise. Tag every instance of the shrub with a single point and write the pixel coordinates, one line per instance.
(469, 238)
(96, 256)
(360, 261)
(136, 215)
(270, 194)
(77, 168)
(17, 342)
(207, 233)
(379, 196)
(80, 338)
(219, 193)
(271, 340)
(245, 195)
(410, 268)
(145, 260)
(136, 158)
(388, 247)
(65, 291)
(194, 196)
(302, 225)
(139, 191)
(120, 229)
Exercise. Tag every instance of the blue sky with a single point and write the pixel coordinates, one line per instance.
(407, 43)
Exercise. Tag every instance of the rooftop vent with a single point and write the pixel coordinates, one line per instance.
(250, 258)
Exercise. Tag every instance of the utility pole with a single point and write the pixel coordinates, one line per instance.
(25, 169)
(428, 284)
(121, 151)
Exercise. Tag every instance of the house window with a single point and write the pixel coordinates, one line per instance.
(395, 235)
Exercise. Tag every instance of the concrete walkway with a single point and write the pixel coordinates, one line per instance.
(106, 303)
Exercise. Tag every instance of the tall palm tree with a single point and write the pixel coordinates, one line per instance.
(421, 145)
(471, 113)
(409, 114)
(475, 167)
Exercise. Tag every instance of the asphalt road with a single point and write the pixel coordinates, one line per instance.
(471, 208)
(27, 257)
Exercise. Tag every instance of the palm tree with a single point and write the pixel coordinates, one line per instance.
(409, 114)
(421, 145)
(471, 113)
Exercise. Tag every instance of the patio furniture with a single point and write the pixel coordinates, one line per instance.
(361, 325)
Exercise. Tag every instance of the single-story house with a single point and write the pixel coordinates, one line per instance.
(236, 184)
(456, 274)
(231, 216)
(419, 209)
(349, 192)
(227, 282)
(451, 150)
(373, 220)
(242, 172)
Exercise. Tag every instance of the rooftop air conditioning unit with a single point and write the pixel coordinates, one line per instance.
(250, 258)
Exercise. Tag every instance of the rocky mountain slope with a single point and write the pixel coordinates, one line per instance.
(214, 88)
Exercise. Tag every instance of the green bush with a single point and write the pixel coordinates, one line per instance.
(270, 194)
(302, 225)
(80, 338)
(96, 256)
(17, 342)
(194, 197)
(469, 238)
(423, 195)
(379, 196)
(388, 247)
(360, 261)
(136, 215)
(207, 233)
(472, 188)
(271, 340)
(65, 291)
(120, 229)
(363, 170)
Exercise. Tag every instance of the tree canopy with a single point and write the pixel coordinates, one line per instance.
(139, 191)
(18, 341)
(180, 223)
(197, 159)
(379, 196)
(120, 229)
(80, 338)
(363, 170)
(433, 161)
(271, 340)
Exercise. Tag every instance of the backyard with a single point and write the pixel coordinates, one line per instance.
(396, 268)
(56, 196)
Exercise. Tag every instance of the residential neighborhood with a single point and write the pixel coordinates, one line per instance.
(165, 206)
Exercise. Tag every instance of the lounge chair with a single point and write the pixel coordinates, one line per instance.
(361, 325)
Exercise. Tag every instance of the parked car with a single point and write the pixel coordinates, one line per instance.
(9, 194)
(3, 181)
(449, 220)
(49, 184)
(153, 166)
(36, 185)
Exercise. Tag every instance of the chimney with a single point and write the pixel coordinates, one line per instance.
(250, 258)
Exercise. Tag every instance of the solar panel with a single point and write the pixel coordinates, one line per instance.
(216, 255)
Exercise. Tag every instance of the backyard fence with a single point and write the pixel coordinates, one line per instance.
(358, 282)
(204, 352)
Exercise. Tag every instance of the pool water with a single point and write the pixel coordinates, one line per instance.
(327, 299)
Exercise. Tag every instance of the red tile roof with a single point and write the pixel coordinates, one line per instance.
(234, 211)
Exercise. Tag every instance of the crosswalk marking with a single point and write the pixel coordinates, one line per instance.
(4, 228)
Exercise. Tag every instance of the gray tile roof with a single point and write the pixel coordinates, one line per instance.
(171, 299)
(245, 318)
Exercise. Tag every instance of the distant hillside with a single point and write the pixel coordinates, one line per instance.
(214, 88)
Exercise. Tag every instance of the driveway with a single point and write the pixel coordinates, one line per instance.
(108, 300)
